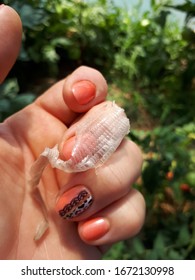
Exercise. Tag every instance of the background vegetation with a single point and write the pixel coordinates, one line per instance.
(149, 62)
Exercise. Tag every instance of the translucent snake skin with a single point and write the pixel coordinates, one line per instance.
(97, 137)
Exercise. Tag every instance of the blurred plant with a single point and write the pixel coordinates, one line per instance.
(155, 57)
(168, 185)
(10, 101)
(68, 29)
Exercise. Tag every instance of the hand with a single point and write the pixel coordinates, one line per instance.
(117, 211)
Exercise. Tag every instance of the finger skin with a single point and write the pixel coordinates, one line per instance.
(11, 36)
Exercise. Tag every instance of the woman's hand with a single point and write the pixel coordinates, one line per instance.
(117, 211)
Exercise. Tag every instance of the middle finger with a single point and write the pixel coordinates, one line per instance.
(88, 192)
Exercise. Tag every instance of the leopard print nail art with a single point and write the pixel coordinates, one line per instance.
(77, 206)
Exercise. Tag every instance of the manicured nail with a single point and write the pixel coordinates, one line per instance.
(84, 92)
(78, 152)
(68, 147)
(74, 202)
(94, 229)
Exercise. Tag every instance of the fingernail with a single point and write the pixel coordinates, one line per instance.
(80, 152)
(74, 202)
(68, 147)
(94, 229)
(84, 92)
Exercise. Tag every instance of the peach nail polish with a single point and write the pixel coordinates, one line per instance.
(95, 229)
(68, 147)
(74, 202)
(84, 92)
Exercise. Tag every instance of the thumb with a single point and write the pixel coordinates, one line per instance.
(10, 39)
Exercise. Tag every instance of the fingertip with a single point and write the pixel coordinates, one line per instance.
(12, 19)
(93, 229)
(84, 88)
(11, 32)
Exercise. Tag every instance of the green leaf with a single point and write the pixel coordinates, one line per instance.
(20, 101)
(32, 17)
(61, 41)
(138, 246)
(116, 252)
(190, 178)
(184, 236)
(174, 255)
(159, 245)
(9, 88)
(4, 105)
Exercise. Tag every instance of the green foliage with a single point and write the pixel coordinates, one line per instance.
(10, 101)
(68, 29)
(152, 56)
(149, 62)
(168, 185)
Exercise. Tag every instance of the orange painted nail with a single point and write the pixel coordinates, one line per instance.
(68, 147)
(94, 229)
(74, 202)
(84, 92)
(81, 151)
